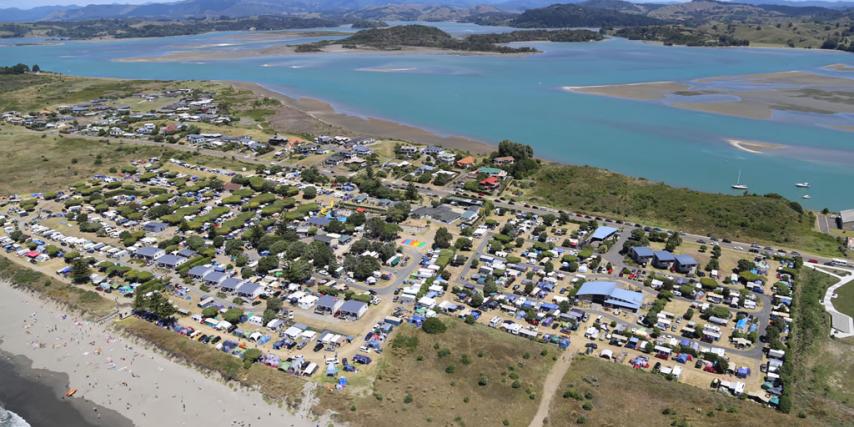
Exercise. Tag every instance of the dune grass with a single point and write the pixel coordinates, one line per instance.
(466, 376)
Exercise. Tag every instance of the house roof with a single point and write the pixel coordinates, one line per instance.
(352, 306)
(847, 215)
(248, 288)
(214, 276)
(685, 260)
(148, 251)
(230, 283)
(664, 256)
(467, 160)
(199, 270)
(169, 259)
(327, 301)
(613, 294)
(441, 213)
(603, 233)
(490, 171)
(642, 251)
(490, 180)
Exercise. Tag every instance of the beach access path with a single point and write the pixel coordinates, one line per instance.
(114, 372)
(843, 324)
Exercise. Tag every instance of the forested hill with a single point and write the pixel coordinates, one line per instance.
(573, 15)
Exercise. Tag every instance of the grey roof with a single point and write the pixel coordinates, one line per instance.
(148, 252)
(642, 251)
(170, 260)
(441, 213)
(327, 301)
(186, 252)
(230, 284)
(352, 307)
(214, 277)
(248, 288)
(847, 215)
(199, 271)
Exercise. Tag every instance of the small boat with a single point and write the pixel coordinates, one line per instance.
(71, 392)
(738, 185)
(806, 196)
(802, 184)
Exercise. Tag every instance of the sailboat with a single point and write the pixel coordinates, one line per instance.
(738, 185)
(802, 184)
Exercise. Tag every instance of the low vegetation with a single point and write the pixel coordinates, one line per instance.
(466, 376)
(819, 371)
(86, 301)
(768, 218)
(596, 392)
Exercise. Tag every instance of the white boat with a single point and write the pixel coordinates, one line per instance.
(802, 184)
(738, 185)
(806, 196)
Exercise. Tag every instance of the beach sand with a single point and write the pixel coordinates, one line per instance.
(312, 116)
(135, 381)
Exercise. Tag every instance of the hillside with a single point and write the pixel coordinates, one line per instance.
(570, 15)
(767, 218)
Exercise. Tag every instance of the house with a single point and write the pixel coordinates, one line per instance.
(230, 284)
(170, 261)
(685, 264)
(214, 278)
(490, 183)
(609, 294)
(149, 253)
(641, 254)
(328, 304)
(250, 290)
(501, 161)
(446, 157)
(441, 213)
(486, 170)
(408, 150)
(154, 226)
(663, 259)
(352, 310)
(466, 162)
(199, 271)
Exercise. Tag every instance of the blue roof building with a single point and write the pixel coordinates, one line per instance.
(663, 259)
(608, 293)
(641, 254)
(602, 233)
(685, 264)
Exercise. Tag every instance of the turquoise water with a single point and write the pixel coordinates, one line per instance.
(519, 97)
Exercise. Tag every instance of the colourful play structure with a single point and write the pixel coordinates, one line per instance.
(414, 243)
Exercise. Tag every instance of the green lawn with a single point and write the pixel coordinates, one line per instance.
(844, 301)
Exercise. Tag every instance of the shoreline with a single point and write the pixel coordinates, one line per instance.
(131, 379)
(324, 115)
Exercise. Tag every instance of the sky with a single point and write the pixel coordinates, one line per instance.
(28, 4)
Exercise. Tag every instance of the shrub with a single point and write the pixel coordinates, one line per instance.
(434, 326)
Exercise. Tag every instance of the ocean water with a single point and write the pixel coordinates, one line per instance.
(493, 97)
(11, 419)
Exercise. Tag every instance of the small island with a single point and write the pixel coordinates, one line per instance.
(422, 36)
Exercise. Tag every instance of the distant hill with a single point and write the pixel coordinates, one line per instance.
(576, 15)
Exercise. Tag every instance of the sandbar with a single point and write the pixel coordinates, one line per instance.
(316, 117)
(640, 91)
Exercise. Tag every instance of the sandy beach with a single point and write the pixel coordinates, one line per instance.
(313, 116)
(125, 376)
(646, 91)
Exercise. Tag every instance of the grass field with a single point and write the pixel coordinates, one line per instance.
(414, 385)
(821, 374)
(38, 162)
(844, 301)
(87, 302)
(750, 218)
(600, 393)
(272, 383)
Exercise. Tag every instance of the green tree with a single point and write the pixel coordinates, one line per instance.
(443, 237)
(251, 356)
(412, 192)
(299, 271)
(210, 312)
(80, 271)
(233, 315)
